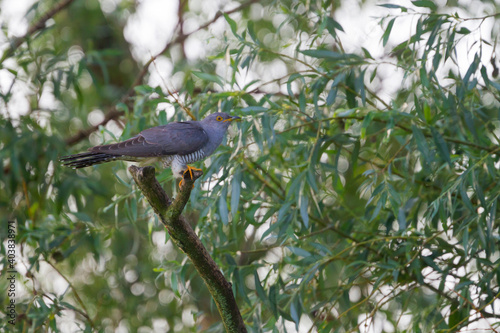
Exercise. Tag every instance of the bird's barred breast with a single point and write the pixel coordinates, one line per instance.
(193, 157)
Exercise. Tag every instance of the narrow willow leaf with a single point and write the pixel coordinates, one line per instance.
(293, 187)
(373, 75)
(469, 121)
(367, 54)
(302, 101)
(424, 79)
(258, 287)
(240, 285)
(210, 78)
(330, 55)
(401, 219)
(298, 251)
(441, 145)
(425, 3)
(292, 78)
(366, 122)
(427, 113)
(422, 146)
(133, 207)
(232, 24)
(390, 5)
(295, 312)
(223, 211)
(387, 32)
(359, 84)
(304, 203)
(254, 109)
(484, 75)
(332, 25)
(463, 31)
(235, 191)
(378, 207)
(174, 284)
(273, 300)
(311, 179)
(465, 198)
(162, 118)
(332, 94)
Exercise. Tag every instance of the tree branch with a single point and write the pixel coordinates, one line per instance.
(39, 25)
(186, 239)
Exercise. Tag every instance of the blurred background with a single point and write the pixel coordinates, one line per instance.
(358, 194)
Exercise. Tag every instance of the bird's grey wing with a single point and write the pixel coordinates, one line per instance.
(171, 139)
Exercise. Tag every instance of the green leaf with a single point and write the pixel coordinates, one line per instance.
(422, 146)
(366, 122)
(381, 202)
(273, 300)
(465, 198)
(298, 251)
(143, 90)
(251, 32)
(441, 145)
(463, 31)
(304, 203)
(332, 94)
(368, 55)
(232, 24)
(258, 287)
(295, 311)
(456, 316)
(292, 78)
(330, 55)
(210, 78)
(391, 6)
(359, 84)
(332, 25)
(387, 32)
(302, 101)
(174, 284)
(223, 211)
(427, 113)
(235, 191)
(425, 4)
(254, 109)
(162, 118)
(401, 219)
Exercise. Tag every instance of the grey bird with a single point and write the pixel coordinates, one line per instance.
(176, 144)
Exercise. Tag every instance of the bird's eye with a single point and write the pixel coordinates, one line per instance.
(219, 118)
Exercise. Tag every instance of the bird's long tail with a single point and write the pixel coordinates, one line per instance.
(83, 160)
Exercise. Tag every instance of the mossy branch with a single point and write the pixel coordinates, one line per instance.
(186, 239)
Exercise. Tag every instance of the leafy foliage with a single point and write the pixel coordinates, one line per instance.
(360, 193)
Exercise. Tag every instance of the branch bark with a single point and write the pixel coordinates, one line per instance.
(186, 239)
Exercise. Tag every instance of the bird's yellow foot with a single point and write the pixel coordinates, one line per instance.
(190, 170)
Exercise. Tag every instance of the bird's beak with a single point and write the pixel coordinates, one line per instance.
(233, 118)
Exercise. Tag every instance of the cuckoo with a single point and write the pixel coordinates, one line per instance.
(176, 144)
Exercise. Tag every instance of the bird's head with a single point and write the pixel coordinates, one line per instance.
(220, 119)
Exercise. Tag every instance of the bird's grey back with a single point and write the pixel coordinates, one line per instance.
(179, 138)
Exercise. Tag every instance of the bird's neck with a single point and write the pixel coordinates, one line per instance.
(215, 139)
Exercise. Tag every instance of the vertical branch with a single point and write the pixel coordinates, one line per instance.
(186, 239)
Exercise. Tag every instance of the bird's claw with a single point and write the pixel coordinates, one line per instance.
(190, 170)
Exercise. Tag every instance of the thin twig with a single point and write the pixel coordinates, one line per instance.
(77, 297)
(37, 26)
